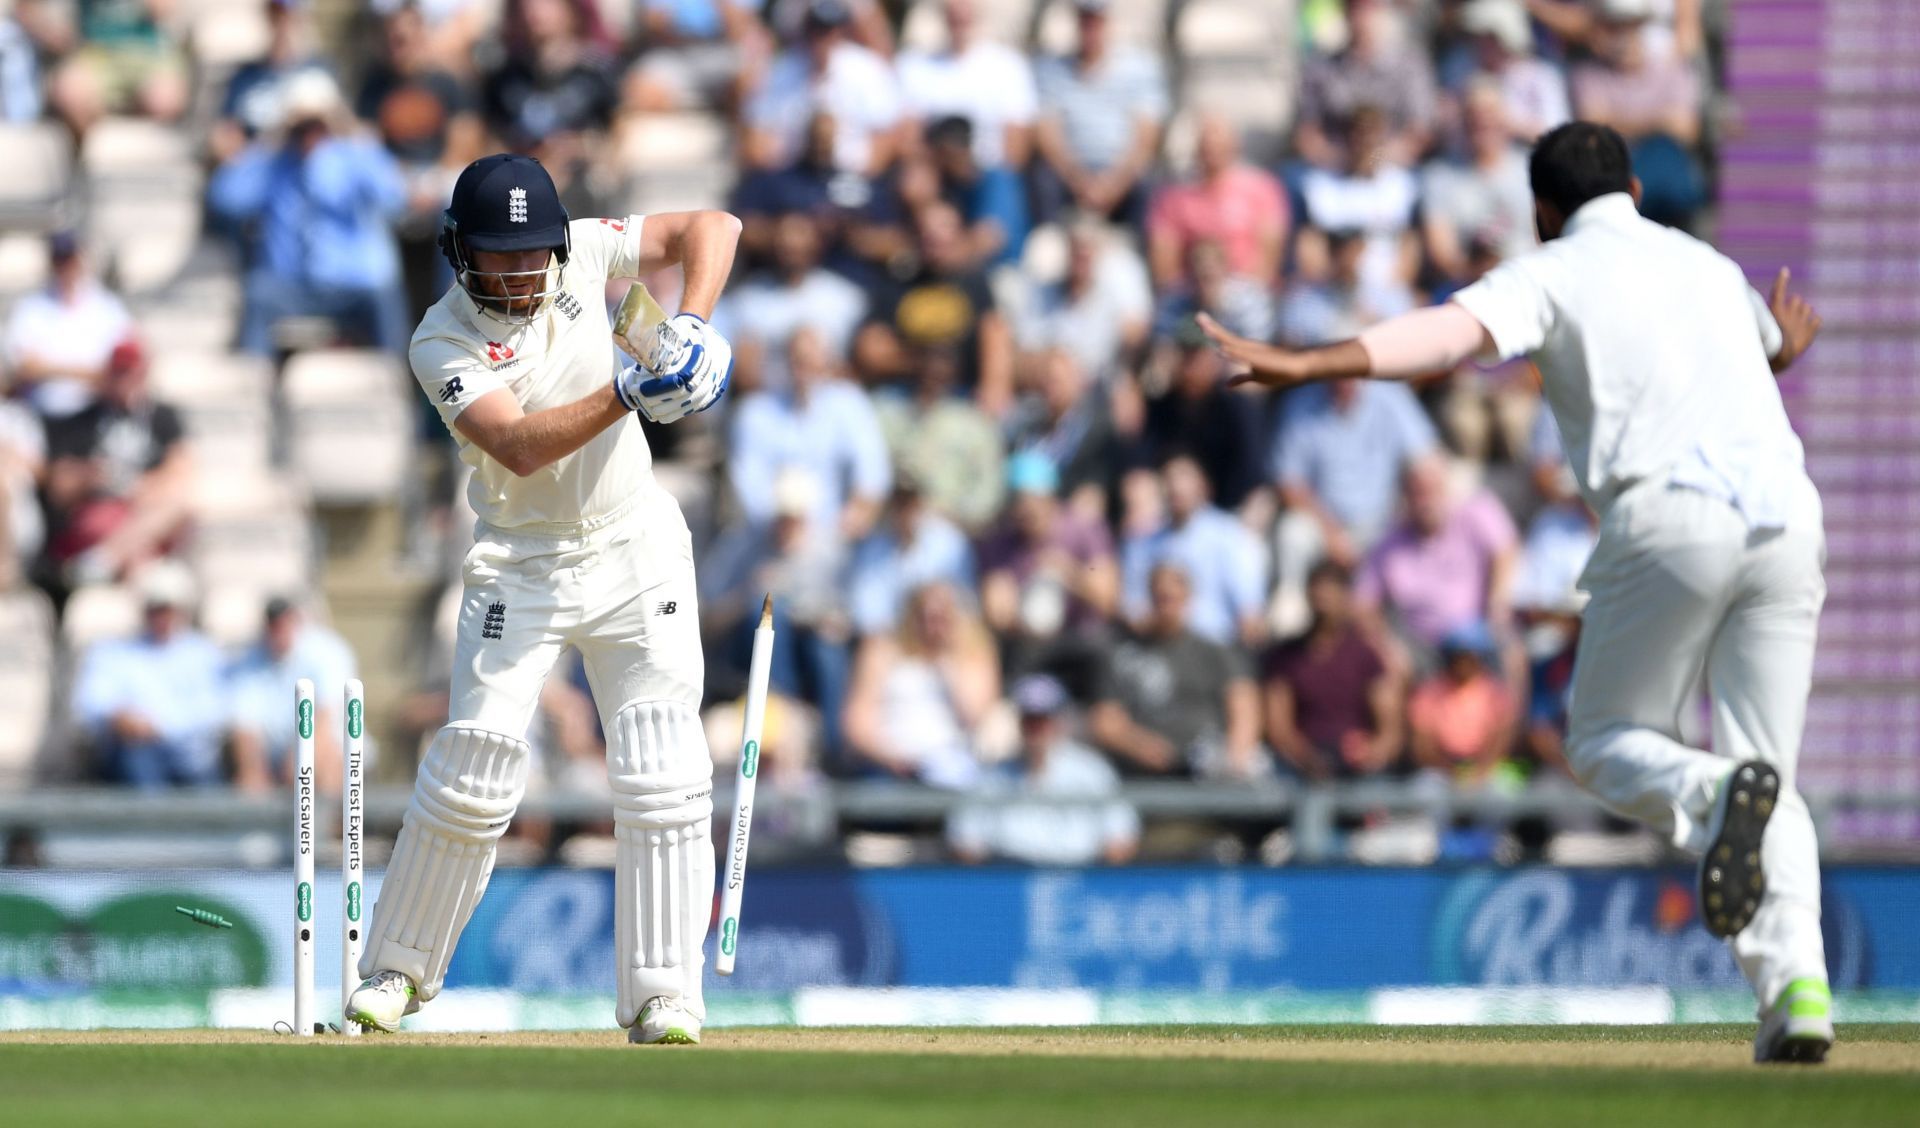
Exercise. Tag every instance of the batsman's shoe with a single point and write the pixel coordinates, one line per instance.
(1732, 882)
(664, 1022)
(382, 1001)
(1799, 1026)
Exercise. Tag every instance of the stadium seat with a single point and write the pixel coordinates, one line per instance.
(121, 148)
(23, 263)
(145, 240)
(97, 612)
(350, 420)
(230, 614)
(36, 185)
(1207, 31)
(26, 683)
(226, 33)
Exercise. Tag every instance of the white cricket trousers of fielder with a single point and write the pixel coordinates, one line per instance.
(623, 594)
(1680, 585)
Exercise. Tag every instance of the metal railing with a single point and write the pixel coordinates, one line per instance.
(1311, 812)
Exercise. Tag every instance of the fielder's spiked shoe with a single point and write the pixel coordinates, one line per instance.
(664, 1022)
(1798, 1028)
(1732, 882)
(382, 1001)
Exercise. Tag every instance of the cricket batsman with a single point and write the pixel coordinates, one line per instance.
(576, 545)
(1658, 361)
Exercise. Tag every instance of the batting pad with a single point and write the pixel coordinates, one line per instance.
(468, 786)
(662, 779)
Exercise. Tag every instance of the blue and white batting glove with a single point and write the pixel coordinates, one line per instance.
(685, 367)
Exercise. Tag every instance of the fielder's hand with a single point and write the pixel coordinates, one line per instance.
(1799, 324)
(685, 367)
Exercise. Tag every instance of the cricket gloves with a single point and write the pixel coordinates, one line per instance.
(684, 368)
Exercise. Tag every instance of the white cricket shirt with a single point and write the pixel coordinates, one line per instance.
(1653, 353)
(461, 352)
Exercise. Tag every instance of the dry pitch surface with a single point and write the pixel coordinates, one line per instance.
(1324, 1075)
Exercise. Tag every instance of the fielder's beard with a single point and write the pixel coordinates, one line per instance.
(512, 309)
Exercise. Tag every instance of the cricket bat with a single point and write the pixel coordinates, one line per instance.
(633, 322)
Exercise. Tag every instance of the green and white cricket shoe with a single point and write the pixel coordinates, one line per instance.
(382, 1001)
(664, 1022)
(1732, 882)
(1798, 1028)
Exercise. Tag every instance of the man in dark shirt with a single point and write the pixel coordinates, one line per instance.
(1333, 708)
(1203, 419)
(946, 303)
(555, 81)
(117, 478)
(1175, 704)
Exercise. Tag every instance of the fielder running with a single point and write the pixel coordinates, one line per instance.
(1657, 360)
(576, 545)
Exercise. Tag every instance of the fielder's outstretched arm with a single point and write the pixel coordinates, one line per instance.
(1421, 343)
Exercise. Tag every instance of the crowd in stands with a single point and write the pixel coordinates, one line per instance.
(1022, 537)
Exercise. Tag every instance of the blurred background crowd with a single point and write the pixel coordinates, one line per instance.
(1024, 543)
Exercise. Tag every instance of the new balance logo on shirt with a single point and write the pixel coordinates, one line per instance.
(666, 608)
(495, 622)
(451, 390)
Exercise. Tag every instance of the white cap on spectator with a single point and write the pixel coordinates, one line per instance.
(308, 94)
(1505, 20)
(166, 583)
(796, 492)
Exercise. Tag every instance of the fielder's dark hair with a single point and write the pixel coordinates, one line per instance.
(1577, 162)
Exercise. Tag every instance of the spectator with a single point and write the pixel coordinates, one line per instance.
(1061, 804)
(1069, 421)
(947, 444)
(1449, 562)
(1547, 603)
(127, 61)
(1333, 708)
(836, 201)
(1201, 418)
(428, 123)
(23, 460)
(1371, 195)
(1100, 310)
(59, 338)
(252, 103)
(803, 565)
(291, 646)
(1379, 68)
(762, 316)
(1339, 452)
(555, 82)
(1103, 109)
(151, 705)
(1653, 99)
(696, 54)
(920, 695)
(23, 33)
(1174, 703)
(1222, 567)
(1533, 93)
(318, 207)
(990, 199)
(822, 424)
(989, 85)
(1461, 719)
(1485, 197)
(1231, 299)
(912, 546)
(1232, 204)
(1048, 580)
(119, 478)
(827, 74)
(945, 304)
(1343, 301)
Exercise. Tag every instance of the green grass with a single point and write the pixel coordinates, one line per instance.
(423, 1083)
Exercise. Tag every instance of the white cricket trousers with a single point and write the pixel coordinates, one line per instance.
(1681, 585)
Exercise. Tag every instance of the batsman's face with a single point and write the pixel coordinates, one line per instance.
(510, 280)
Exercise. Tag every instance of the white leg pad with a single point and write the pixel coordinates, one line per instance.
(469, 784)
(662, 779)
